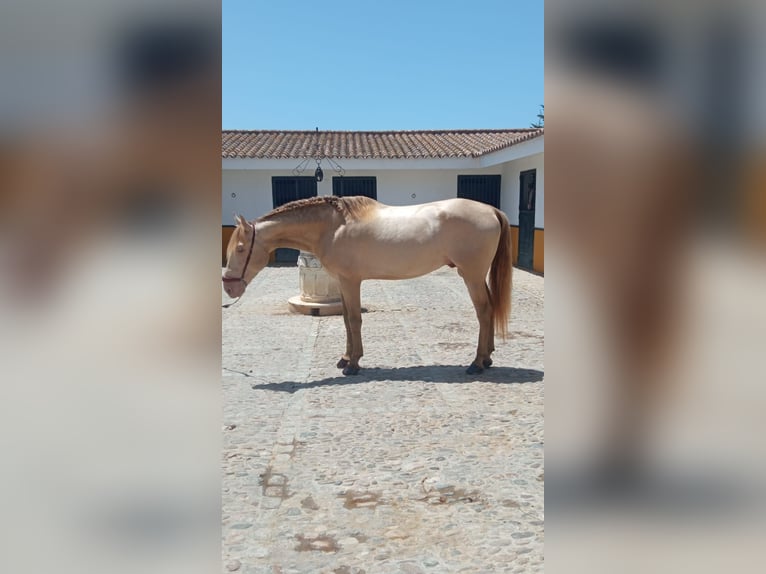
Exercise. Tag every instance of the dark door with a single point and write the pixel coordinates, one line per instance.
(527, 197)
(284, 190)
(484, 188)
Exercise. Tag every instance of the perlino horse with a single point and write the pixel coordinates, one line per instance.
(358, 238)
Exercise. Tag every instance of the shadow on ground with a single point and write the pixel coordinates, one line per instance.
(429, 374)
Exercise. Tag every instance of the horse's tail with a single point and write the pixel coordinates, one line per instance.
(500, 277)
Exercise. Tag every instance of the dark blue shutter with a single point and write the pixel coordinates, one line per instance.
(355, 185)
(287, 189)
(284, 190)
(484, 188)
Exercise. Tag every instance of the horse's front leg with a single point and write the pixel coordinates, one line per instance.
(352, 314)
(343, 362)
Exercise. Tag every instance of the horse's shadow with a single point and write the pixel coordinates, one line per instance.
(450, 374)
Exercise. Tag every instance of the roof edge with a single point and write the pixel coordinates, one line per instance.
(443, 131)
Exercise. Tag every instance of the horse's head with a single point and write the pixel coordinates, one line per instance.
(245, 257)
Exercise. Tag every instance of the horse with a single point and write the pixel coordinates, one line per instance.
(357, 238)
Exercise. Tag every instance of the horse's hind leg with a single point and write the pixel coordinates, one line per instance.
(477, 289)
(491, 349)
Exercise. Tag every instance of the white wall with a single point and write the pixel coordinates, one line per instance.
(253, 194)
(395, 186)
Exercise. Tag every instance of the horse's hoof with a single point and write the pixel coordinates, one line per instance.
(342, 364)
(474, 370)
(351, 371)
(487, 363)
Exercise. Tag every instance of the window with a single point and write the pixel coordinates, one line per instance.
(287, 189)
(345, 186)
(484, 188)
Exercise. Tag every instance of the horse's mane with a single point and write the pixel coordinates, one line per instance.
(351, 208)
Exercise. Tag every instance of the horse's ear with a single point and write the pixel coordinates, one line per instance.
(240, 220)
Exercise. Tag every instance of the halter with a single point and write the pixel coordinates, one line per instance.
(242, 275)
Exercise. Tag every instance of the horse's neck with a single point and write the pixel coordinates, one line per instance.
(292, 232)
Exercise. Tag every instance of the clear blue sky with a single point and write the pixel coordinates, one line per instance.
(378, 65)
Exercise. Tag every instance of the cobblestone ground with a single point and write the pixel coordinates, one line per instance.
(410, 466)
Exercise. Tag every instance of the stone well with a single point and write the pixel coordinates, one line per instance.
(320, 293)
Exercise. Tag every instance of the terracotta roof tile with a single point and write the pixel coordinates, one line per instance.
(272, 144)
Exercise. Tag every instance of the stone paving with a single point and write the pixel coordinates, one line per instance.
(412, 466)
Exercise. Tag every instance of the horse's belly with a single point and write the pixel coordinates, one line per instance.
(400, 264)
(409, 273)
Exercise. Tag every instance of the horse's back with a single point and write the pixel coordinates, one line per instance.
(481, 215)
(457, 208)
(412, 240)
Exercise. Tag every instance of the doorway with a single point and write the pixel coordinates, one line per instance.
(527, 198)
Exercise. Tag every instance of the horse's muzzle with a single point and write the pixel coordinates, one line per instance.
(234, 286)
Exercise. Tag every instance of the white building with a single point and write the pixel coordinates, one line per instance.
(264, 169)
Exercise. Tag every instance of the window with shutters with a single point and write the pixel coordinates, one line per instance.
(484, 188)
(285, 189)
(355, 185)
